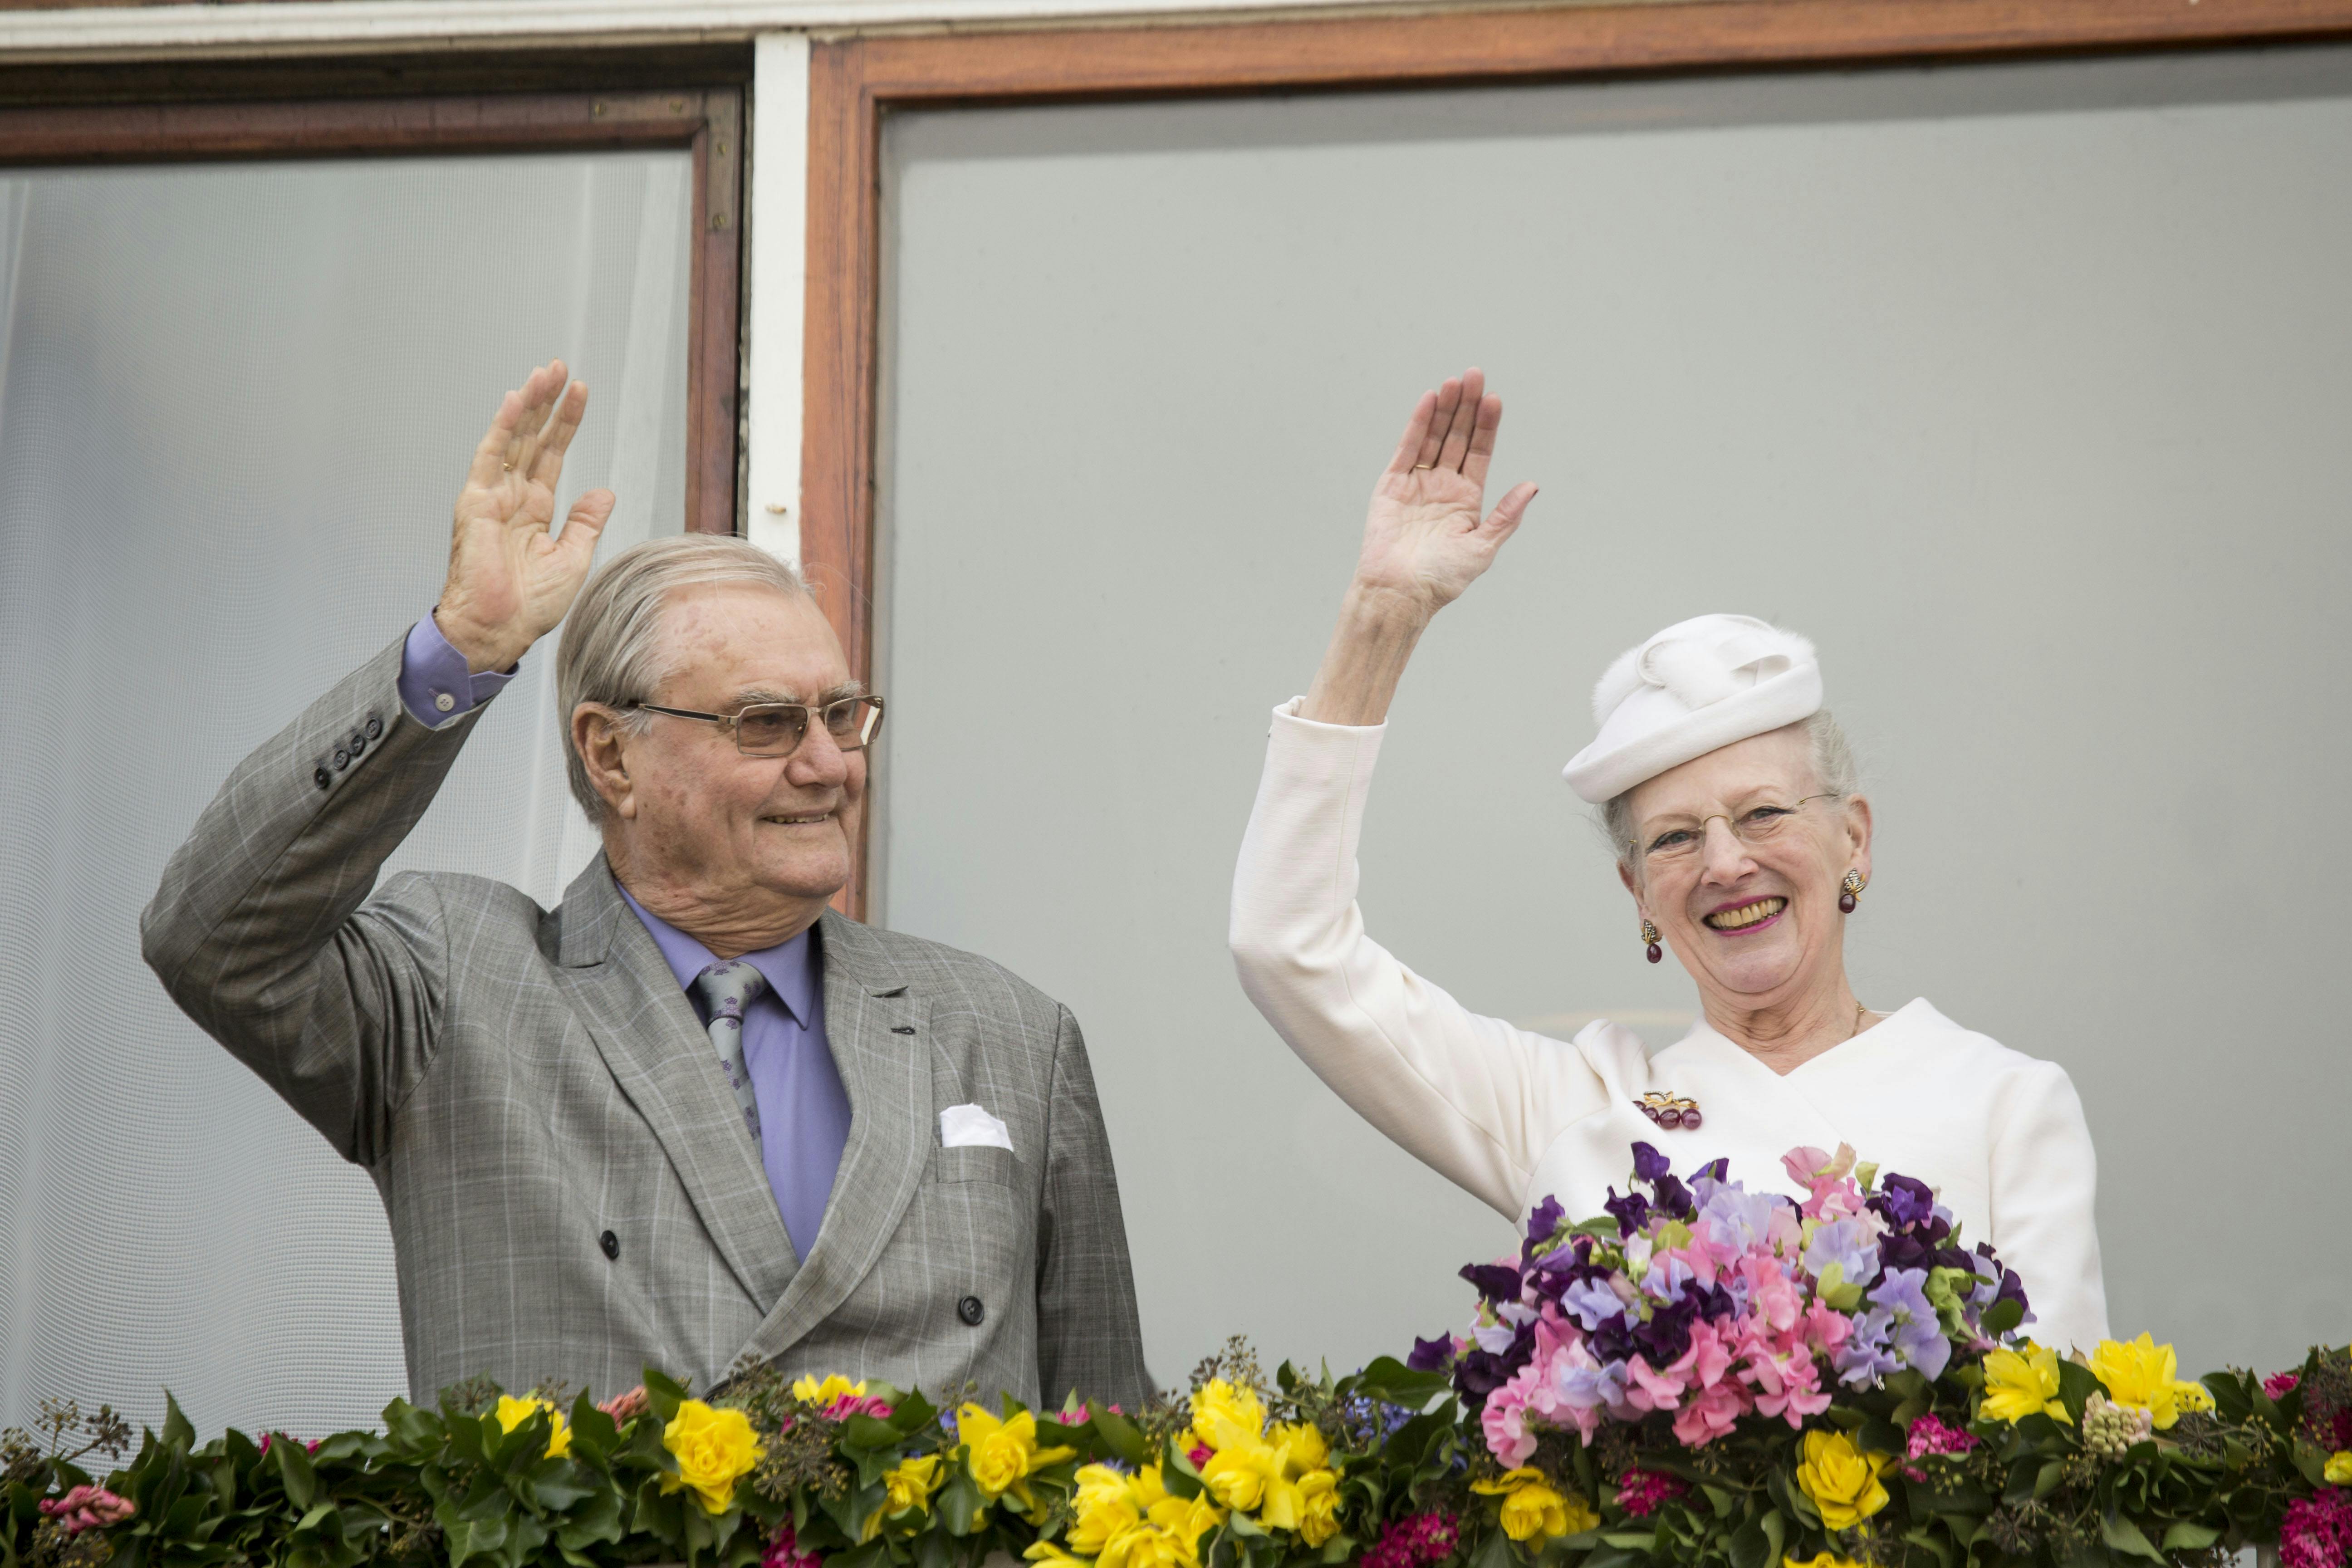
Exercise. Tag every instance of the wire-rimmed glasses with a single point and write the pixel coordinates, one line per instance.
(1754, 826)
(777, 729)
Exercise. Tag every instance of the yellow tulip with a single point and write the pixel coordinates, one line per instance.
(512, 1412)
(1003, 1454)
(1842, 1479)
(1531, 1506)
(1318, 1514)
(1105, 1504)
(2338, 1472)
(1302, 1445)
(2141, 1373)
(1220, 1409)
(714, 1450)
(809, 1391)
(2023, 1382)
(907, 1485)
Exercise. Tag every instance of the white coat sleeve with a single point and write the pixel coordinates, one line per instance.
(2045, 1182)
(1472, 1098)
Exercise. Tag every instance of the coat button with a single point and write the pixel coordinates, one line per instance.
(902, 1028)
(321, 777)
(610, 1243)
(970, 1310)
(342, 759)
(374, 727)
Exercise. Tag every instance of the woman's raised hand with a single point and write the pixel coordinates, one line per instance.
(510, 577)
(1425, 540)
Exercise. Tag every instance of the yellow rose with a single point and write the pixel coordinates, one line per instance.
(1148, 1546)
(1105, 1504)
(2338, 1472)
(1002, 1455)
(1303, 1447)
(2021, 1383)
(1319, 1515)
(1842, 1479)
(1236, 1474)
(1825, 1560)
(907, 1485)
(2141, 1373)
(809, 1391)
(1531, 1506)
(714, 1450)
(1049, 1553)
(1220, 1410)
(513, 1413)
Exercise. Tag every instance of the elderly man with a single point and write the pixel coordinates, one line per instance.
(692, 1115)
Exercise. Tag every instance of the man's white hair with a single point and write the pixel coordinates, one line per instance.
(612, 640)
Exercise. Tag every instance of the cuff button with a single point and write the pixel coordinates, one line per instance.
(358, 743)
(342, 759)
(970, 1310)
(443, 702)
(374, 727)
(321, 777)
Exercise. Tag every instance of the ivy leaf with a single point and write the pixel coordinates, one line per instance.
(2122, 1535)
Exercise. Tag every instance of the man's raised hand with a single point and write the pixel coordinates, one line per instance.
(510, 577)
(1424, 541)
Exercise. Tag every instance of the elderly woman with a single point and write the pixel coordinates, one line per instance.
(1730, 797)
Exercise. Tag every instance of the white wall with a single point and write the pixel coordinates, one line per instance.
(2022, 390)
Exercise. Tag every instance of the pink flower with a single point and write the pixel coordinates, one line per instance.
(310, 1448)
(1828, 1178)
(2279, 1384)
(1201, 1454)
(850, 1404)
(784, 1550)
(624, 1407)
(1415, 1541)
(2316, 1533)
(1931, 1437)
(1505, 1419)
(89, 1508)
(1640, 1492)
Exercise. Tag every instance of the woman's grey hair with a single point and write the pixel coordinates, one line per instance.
(611, 649)
(1833, 766)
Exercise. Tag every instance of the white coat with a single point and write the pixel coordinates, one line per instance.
(1513, 1116)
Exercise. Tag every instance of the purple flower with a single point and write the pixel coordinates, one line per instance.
(1589, 1301)
(1843, 1243)
(1431, 1355)
(1545, 1220)
(1591, 1387)
(1497, 1282)
(1649, 1166)
(1630, 1212)
(1866, 1358)
(1905, 1201)
(1918, 1339)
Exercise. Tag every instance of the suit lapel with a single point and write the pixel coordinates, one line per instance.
(657, 1051)
(888, 1078)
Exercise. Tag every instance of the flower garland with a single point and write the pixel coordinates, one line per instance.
(1702, 1375)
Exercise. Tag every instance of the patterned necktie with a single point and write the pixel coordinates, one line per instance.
(727, 988)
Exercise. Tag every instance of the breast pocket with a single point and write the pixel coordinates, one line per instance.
(974, 1162)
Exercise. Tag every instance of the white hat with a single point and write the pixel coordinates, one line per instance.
(1699, 684)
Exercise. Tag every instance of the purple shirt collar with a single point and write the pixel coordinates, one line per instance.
(789, 967)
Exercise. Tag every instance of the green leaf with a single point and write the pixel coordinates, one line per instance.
(1494, 1552)
(2076, 1383)
(2003, 1317)
(2122, 1535)
(294, 1467)
(664, 1394)
(1391, 1382)
(558, 1483)
(177, 1432)
(2189, 1536)
(1122, 1437)
(1750, 1548)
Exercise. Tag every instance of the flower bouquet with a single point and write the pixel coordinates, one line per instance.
(1700, 1376)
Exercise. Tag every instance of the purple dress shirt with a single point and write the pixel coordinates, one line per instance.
(804, 1109)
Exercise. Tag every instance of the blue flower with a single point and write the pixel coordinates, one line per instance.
(1842, 1243)
(1918, 1338)
(1591, 1302)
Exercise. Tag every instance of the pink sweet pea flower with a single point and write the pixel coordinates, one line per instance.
(622, 1407)
(89, 1508)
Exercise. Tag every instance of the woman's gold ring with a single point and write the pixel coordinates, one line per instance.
(1418, 467)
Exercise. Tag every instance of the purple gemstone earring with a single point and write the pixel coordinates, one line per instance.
(1853, 887)
(1650, 935)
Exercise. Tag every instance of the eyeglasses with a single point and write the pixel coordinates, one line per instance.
(777, 729)
(1758, 825)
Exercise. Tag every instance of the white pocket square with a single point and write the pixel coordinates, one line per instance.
(968, 1126)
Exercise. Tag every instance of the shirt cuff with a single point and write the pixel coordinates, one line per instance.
(435, 685)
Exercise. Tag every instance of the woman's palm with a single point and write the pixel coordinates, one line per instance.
(1424, 538)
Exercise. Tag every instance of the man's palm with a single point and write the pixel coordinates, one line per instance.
(511, 578)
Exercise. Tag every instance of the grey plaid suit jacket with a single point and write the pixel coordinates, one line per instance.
(524, 1084)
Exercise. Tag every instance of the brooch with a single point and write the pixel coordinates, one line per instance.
(1670, 1110)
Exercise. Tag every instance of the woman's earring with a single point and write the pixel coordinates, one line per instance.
(1650, 935)
(1853, 885)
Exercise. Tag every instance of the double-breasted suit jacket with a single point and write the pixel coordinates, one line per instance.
(570, 1190)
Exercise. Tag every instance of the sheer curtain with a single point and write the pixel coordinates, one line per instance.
(235, 402)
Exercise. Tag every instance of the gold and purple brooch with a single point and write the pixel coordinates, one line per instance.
(1670, 1110)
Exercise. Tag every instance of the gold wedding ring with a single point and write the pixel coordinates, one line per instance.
(1418, 467)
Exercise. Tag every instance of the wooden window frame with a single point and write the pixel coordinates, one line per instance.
(854, 82)
(707, 122)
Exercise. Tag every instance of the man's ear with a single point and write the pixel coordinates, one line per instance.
(602, 744)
